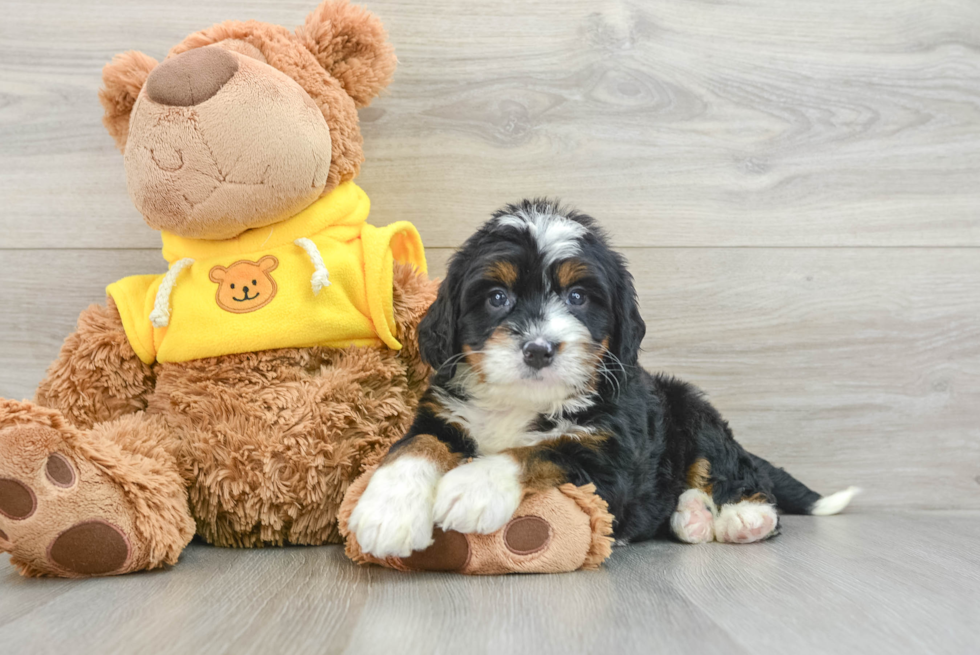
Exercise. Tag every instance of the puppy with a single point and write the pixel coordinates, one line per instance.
(534, 339)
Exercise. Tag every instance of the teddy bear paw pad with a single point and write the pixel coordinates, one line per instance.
(17, 500)
(527, 535)
(90, 548)
(59, 471)
(60, 514)
(450, 551)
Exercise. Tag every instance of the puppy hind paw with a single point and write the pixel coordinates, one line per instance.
(693, 522)
(745, 522)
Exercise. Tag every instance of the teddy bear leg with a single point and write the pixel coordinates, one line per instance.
(85, 503)
(553, 531)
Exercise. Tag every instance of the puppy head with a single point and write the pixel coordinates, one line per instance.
(536, 308)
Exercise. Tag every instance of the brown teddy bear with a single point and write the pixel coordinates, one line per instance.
(238, 395)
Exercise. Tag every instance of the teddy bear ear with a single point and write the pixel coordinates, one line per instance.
(122, 79)
(352, 45)
(268, 263)
(217, 274)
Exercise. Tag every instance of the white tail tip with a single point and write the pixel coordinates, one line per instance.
(834, 503)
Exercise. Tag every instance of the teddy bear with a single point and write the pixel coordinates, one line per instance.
(241, 395)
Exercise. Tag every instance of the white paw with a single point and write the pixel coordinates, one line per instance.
(692, 521)
(394, 516)
(480, 496)
(745, 522)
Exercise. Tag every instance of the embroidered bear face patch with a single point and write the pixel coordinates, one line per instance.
(245, 285)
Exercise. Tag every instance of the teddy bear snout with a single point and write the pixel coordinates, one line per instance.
(191, 77)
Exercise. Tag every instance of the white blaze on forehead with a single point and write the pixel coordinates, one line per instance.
(558, 325)
(557, 237)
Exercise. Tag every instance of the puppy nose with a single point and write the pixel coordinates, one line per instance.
(191, 77)
(538, 353)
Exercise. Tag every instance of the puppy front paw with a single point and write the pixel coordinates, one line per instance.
(480, 496)
(394, 516)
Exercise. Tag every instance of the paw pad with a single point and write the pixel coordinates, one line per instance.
(526, 535)
(59, 470)
(17, 501)
(90, 548)
(449, 552)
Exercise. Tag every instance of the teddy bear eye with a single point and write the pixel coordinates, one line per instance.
(254, 283)
(232, 285)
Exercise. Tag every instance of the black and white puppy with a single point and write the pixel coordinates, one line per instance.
(534, 339)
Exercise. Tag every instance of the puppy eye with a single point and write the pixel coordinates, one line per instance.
(576, 297)
(497, 298)
(232, 285)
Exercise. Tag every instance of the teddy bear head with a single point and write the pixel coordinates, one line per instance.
(245, 124)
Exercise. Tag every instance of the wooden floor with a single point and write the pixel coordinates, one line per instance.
(797, 188)
(866, 583)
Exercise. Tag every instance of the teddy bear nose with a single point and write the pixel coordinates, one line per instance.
(191, 77)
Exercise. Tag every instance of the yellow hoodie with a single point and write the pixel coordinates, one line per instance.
(320, 278)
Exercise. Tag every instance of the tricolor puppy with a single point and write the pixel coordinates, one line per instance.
(534, 340)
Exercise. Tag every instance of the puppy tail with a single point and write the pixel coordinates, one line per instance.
(834, 503)
(794, 497)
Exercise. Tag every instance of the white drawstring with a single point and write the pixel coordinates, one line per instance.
(321, 278)
(160, 316)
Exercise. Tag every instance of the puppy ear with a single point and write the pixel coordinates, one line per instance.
(122, 79)
(437, 330)
(630, 329)
(352, 45)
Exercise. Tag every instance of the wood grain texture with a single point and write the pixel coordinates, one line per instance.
(846, 366)
(857, 583)
(680, 122)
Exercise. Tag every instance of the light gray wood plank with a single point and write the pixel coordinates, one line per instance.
(296, 600)
(853, 366)
(844, 366)
(676, 122)
(45, 291)
(863, 582)
(887, 583)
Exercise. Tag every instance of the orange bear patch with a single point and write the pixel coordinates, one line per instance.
(245, 286)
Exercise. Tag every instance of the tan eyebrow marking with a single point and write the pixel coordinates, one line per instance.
(570, 272)
(502, 272)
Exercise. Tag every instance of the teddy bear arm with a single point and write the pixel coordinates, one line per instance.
(97, 376)
(413, 292)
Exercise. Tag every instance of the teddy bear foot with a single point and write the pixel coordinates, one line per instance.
(557, 530)
(63, 509)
